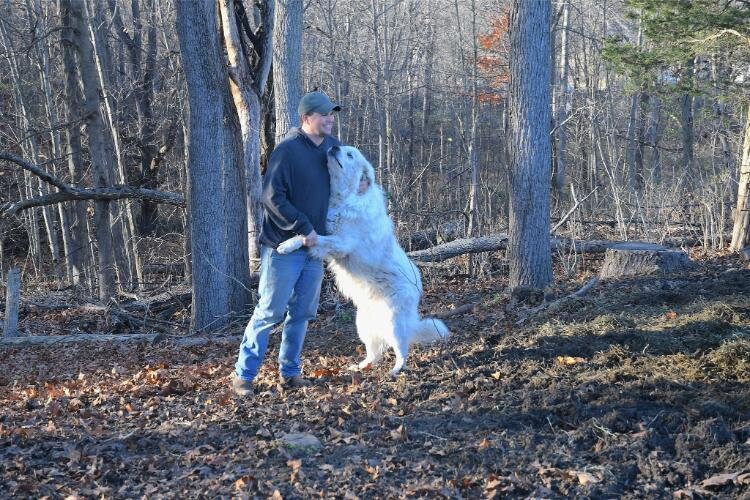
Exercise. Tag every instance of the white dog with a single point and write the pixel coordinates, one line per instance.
(370, 267)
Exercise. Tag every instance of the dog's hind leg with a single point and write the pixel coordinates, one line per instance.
(374, 346)
(400, 347)
(401, 350)
(374, 349)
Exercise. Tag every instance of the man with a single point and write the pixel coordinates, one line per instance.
(295, 201)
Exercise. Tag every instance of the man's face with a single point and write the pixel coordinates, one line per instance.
(319, 124)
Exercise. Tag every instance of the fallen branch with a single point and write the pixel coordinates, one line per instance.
(101, 194)
(466, 308)
(36, 170)
(152, 338)
(571, 211)
(556, 305)
(72, 193)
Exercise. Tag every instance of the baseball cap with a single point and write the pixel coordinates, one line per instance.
(316, 102)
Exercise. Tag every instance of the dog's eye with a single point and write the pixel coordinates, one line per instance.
(349, 155)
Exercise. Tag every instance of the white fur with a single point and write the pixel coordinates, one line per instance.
(370, 267)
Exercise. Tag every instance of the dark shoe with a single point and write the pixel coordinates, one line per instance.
(295, 382)
(242, 388)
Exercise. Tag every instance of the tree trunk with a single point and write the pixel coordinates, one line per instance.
(43, 64)
(124, 233)
(563, 104)
(75, 249)
(215, 170)
(741, 229)
(653, 135)
(531, 149)
(95, 131)
(686, 112)
(287, 72)
(31, 147)
(247, 86)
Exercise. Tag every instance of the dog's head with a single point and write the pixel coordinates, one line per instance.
(346, 166)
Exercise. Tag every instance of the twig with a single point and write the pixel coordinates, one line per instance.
(570, 212)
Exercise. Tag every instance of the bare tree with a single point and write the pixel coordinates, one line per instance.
(96, 135)
(216, 177)
(531, 150)
(249, 67)
(741, 228)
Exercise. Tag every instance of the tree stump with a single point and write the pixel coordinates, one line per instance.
(12, 302)
(635, 259)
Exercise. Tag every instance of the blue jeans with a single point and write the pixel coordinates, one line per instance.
(288, 284)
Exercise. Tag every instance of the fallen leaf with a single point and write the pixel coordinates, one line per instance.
(583, 478)
(493, 483)
(245, 482)
(670, 315)
(323, 372)
(294, 464)
(569, 360)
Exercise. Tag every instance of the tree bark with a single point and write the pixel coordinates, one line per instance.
(215, 170)
(531, 149)
(124, 230)
(287, 71)
(95, 132)
(563, 103)
(247, 84)
(12, 302)
(75, 249)
(741, 227)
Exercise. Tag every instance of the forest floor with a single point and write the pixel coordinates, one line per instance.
(639, 389)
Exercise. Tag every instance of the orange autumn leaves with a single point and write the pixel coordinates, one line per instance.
(493, 63)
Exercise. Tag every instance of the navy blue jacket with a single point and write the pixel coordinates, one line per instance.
(296, 188)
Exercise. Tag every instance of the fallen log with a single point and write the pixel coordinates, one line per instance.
(461, 246)
(497, 242)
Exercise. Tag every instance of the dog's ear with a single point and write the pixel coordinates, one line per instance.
(368, 170)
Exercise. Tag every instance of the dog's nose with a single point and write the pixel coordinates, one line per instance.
(333, 150)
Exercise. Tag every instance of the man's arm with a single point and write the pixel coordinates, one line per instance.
(276, 197)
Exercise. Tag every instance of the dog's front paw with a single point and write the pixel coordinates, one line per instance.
(290, 245)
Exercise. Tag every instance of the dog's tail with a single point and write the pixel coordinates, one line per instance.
(430, 330)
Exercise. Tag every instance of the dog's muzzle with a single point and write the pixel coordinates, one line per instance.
(332, 152)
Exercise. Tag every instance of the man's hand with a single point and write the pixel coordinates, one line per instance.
(311, 239)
